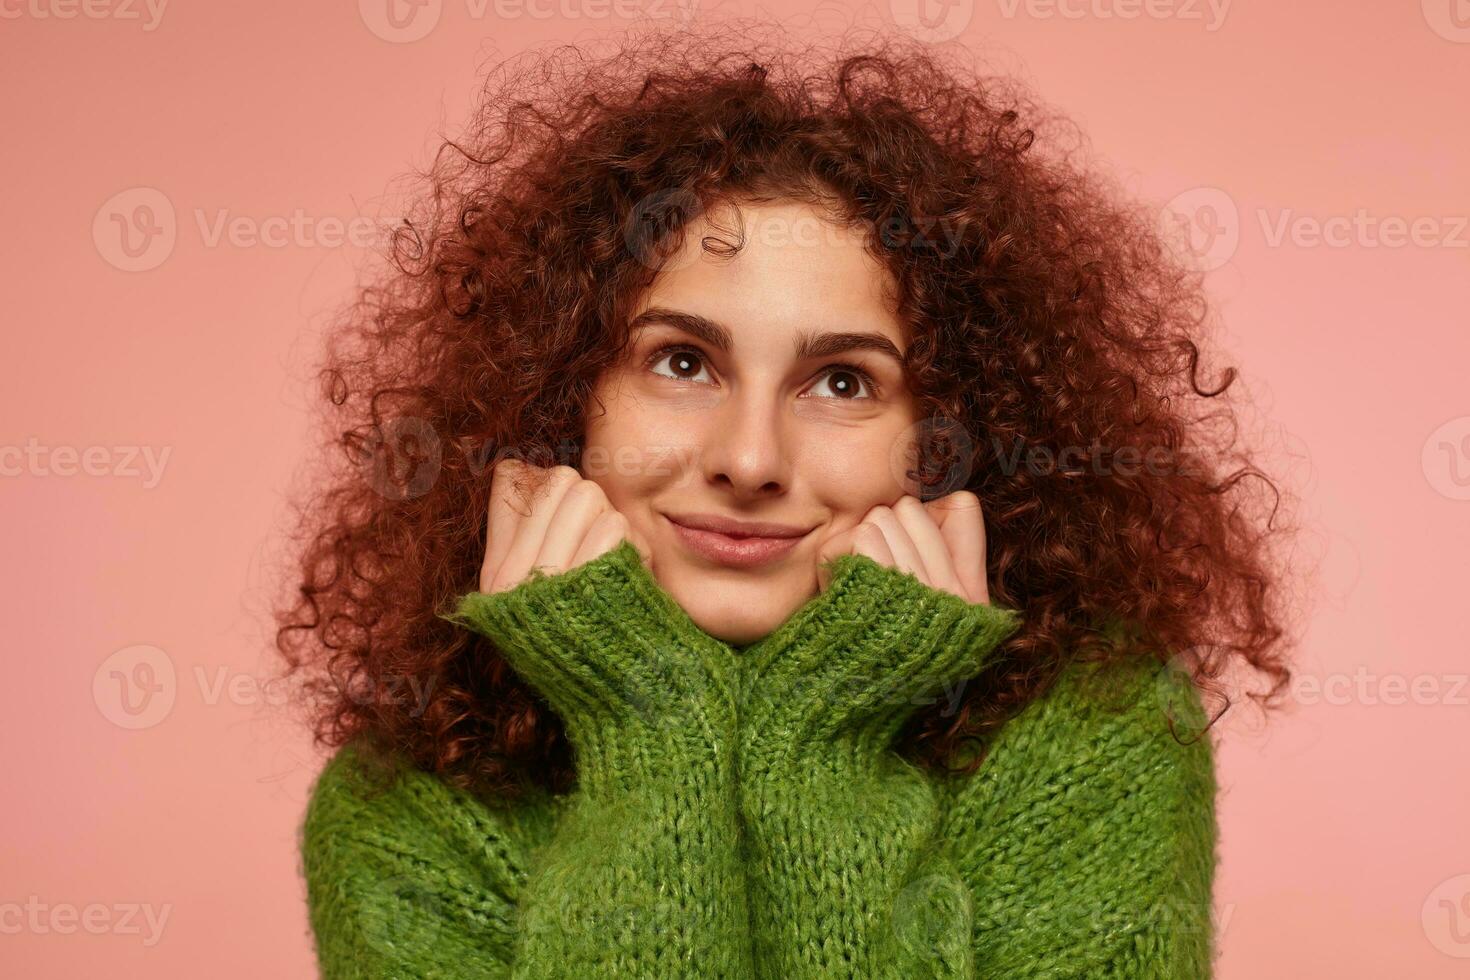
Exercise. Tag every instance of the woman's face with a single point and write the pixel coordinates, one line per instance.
(756, 413)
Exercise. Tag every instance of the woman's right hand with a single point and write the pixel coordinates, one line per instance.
(570, 522)
(611, 648)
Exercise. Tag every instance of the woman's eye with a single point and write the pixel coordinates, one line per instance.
(686, 364)
(846, 381)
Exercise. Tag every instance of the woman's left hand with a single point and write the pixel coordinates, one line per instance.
(942, 543)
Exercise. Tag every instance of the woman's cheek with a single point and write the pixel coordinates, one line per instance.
(640, 440)
(852, 477)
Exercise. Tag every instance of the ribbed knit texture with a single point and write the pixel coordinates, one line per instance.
(741, 812)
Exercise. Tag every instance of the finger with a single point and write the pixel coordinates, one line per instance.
(906, 556)
(869, 539)
(863, 538)
(505, 514)
(607, 531)
(931, 545)
(525, 545)
(640, 543)
(830, 548)
(961, 522)
(580, 506)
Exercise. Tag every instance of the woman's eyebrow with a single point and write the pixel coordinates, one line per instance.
(808, 344)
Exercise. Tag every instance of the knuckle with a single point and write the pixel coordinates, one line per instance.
(587, 489)
(606, 519)
(965, 500)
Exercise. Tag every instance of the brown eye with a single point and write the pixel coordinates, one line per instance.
(847, 381)
(685, 362)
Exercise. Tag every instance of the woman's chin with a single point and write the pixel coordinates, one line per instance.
(736, 607)
(733, 633)
(738, 627)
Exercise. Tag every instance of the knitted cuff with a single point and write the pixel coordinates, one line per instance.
(863, 656)
(610, 650)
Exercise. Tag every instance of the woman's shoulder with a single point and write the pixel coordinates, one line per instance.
(366, 795)
(1139, 693)
(1136, 724)
(1088, 832)
(407, 874)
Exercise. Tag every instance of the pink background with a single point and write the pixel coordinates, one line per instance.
(1344, 849)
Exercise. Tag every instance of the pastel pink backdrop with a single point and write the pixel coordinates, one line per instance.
(1344, 850)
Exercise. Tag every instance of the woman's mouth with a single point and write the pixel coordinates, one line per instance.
(731, 550)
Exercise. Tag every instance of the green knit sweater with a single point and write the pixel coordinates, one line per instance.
(740, 811)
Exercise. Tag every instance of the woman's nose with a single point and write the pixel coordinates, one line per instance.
(747, 444)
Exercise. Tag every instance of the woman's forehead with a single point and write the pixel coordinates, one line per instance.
(789, 270)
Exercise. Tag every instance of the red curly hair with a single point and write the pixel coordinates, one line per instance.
(1056, 351)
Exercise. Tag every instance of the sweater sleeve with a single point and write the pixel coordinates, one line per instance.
(409, 878)
(640, 876)
(846, 862)
(1087, 838)
(1083, 846)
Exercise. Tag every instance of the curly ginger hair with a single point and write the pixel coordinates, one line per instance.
(1056, 340)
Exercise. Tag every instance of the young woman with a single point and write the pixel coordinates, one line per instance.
(787, 530)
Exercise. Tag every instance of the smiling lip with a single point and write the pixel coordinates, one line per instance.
(741, 547)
